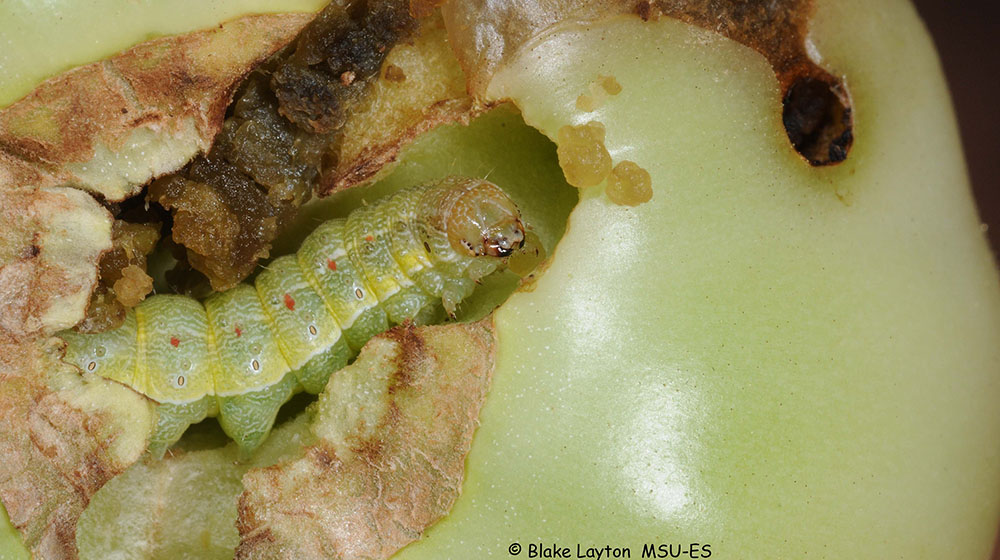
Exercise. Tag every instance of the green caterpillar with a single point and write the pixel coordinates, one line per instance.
(246, 351)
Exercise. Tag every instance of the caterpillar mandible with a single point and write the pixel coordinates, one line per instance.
(246, 351)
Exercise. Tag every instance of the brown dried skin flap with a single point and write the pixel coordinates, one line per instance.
(111, 126)
(394, 429)
(108, 127)
(61, 438)
(50, 244)
(817, 109)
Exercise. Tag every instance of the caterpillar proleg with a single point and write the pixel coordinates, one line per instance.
(244, 352)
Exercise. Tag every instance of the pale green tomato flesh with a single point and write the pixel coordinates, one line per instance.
(11, 547)
(39, 39)
(747, 361)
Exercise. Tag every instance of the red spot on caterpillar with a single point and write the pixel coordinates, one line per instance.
(238, 331)
(289, 302)
(331, 264)
(174, 341)
(369, 238)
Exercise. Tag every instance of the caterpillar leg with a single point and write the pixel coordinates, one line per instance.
(431, 314)
(456, 290)
(407, 304)
(248, 418)
(371, 322)
(316, 372)
(251, 379)
(172, 420)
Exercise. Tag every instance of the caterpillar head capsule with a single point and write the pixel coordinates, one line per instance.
(484, 221)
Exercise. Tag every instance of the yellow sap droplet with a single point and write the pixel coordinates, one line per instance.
(587, 103)
(582, 156)
(597, 93)
(629, 184)
(609, 84)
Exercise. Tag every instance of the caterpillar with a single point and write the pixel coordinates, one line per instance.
(244, 352)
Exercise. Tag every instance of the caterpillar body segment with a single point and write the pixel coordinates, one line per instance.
(172, 366)
(309, 337)
(243, 353)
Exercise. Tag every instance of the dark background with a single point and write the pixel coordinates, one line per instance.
(967, 36)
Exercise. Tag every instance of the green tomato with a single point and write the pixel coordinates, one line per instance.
(768, 359)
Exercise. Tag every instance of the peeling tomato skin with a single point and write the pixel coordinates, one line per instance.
(428, 385)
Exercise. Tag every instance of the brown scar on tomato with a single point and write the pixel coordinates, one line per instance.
(393, 431)
(817, 113)
(62, 437)
(817, 108)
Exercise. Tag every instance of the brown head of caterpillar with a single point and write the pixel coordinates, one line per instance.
(484, 222)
